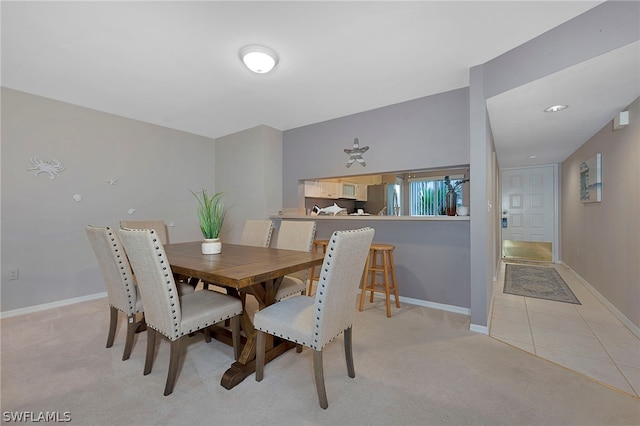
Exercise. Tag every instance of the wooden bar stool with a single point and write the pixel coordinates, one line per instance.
(317, 244)
(386, 268)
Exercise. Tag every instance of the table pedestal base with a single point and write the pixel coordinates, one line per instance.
(238, 371)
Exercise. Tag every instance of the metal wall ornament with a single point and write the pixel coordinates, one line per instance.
(355, 153)
(52, 167)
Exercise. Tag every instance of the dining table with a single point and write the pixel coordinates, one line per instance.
(243, 270)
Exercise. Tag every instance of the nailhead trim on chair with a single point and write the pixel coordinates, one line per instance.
(130, 302)
(321, 288)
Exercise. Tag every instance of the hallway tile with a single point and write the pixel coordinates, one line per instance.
(586, 338)
(603, 371)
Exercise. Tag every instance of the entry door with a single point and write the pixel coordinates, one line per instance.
(528, 205)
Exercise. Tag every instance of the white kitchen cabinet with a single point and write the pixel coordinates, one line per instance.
(361, 192)
(312, 189)
(330, 189)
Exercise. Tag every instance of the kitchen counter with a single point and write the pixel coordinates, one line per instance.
(432, 254)
(372, 217)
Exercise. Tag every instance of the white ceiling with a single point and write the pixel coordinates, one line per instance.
(595, 91)
(176, 64)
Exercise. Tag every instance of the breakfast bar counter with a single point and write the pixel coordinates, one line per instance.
(432, 254)
(372, 217)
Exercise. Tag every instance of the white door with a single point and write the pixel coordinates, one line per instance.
(528, 204)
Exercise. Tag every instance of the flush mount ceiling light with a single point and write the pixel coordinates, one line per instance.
(259, 59)
(556, 108)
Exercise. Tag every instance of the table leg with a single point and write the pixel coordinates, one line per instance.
(246, 364)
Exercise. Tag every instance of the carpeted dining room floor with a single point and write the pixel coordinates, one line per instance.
(420, 367)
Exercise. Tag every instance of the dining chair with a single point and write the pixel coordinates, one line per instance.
(314, 322)
(187, 284)
(120, 282)
(165, 312)
(295, 235)
(257, 233)
(157, 225)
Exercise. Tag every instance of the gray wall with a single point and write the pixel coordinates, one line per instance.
(423, 133)
(43, 227)
(601, 241)
(432, 257)
(248, 169)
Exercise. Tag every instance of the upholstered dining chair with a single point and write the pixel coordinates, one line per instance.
(257, 233)
(165, 312)
(120, 282)
(316, 322)
(186, 284)
(157, 225)
(295, 235)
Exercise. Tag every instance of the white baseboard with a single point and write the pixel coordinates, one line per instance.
(621, 317)
(482, 329)
(51, 305)
(441, 307)
(418, 302)
(433, 305)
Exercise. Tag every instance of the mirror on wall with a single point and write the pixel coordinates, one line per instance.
(398, 193)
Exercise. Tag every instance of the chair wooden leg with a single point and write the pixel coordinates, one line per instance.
(151, 349)
(174, 360)
(261, 343)
(132, 326)
(113, 322)
(298, 348)
(235, 336)
(319, 373)
(207, 334)
(348, 351)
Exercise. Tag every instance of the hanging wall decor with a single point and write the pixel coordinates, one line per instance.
(53, 167)
(591, 180)
(355, 153)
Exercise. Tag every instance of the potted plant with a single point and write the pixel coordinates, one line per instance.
(452, 196)
(211, 214)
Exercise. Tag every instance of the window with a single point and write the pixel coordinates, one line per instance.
(427, 196)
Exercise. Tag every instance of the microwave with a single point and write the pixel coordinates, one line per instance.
(349, 190)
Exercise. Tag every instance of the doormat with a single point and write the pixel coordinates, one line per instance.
(539, 282)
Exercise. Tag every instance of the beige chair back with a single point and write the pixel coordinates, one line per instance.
(257, 233)
(297, 235)
(115, 268)
(157, 225)
(155, 280)
(338, 284)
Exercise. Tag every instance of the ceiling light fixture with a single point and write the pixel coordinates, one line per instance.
(556, 108)
(259, 59)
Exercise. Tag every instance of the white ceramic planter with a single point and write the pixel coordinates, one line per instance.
(211, 246)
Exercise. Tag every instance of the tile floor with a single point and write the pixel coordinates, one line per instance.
(585, 338)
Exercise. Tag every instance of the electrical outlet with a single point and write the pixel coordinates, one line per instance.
(14, 273)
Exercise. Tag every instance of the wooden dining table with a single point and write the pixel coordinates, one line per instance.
(243, 270)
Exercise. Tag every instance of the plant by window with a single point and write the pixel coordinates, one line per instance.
(427, 196)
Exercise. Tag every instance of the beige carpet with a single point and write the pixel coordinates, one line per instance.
(420, 367)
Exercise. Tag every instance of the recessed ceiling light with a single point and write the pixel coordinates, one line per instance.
(556, 108)
(259, 59)
(531, 157)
